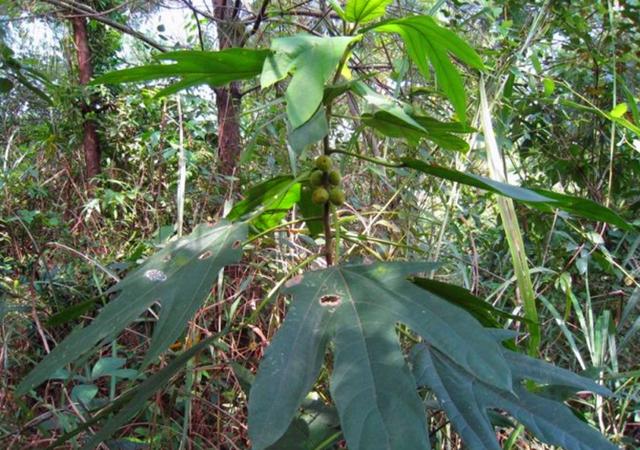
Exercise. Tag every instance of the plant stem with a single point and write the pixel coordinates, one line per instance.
(326, 215)
(380, 162)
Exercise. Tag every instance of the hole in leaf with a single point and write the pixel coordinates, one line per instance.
(155, 275)
(205, 255)
(330, 300)
(236, 244)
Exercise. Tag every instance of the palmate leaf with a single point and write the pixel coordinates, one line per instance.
(311, 61)
(427, 42)
(356, 307)
(193, 68)
(363, 11)
(467, 400)
(541, 199)
(179, 277)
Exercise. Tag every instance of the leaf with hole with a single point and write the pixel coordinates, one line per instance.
(179, 277)
(466, 399)
(357, 307)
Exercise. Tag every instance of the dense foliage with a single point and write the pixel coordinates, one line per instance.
(360, 225)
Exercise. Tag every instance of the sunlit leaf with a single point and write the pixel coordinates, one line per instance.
(427, 42)
(363, 11)
(269, 201)
(194, 68)
(619, 111)
(311, 61)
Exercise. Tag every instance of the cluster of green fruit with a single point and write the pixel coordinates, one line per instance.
(326, 183)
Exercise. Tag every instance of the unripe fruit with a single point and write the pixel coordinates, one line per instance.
(334, 177)
(316, 178)
(336, 195)
(320, 196)
(323, 163)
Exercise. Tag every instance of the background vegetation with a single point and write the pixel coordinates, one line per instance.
(562, 87)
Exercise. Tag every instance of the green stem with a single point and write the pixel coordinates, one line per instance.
(277, 227)
(378, 161)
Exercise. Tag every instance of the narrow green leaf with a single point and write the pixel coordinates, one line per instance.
(541, 199)
(363, 11)
(425, 40)
(434, 130)
(511, 227)
(72, 312)
(631, 102)
(194, 68)
(483, 312)
(391, 106)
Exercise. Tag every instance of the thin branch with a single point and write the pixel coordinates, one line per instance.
(86, 11)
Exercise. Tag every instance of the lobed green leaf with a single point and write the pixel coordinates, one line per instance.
(356, 307)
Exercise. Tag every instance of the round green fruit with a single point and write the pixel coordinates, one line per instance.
(316, 178)
(336, 195)
(320, 196)
(323, 163)
(334, 177)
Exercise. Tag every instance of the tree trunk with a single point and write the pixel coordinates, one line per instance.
(90, 139)
(230, 34)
